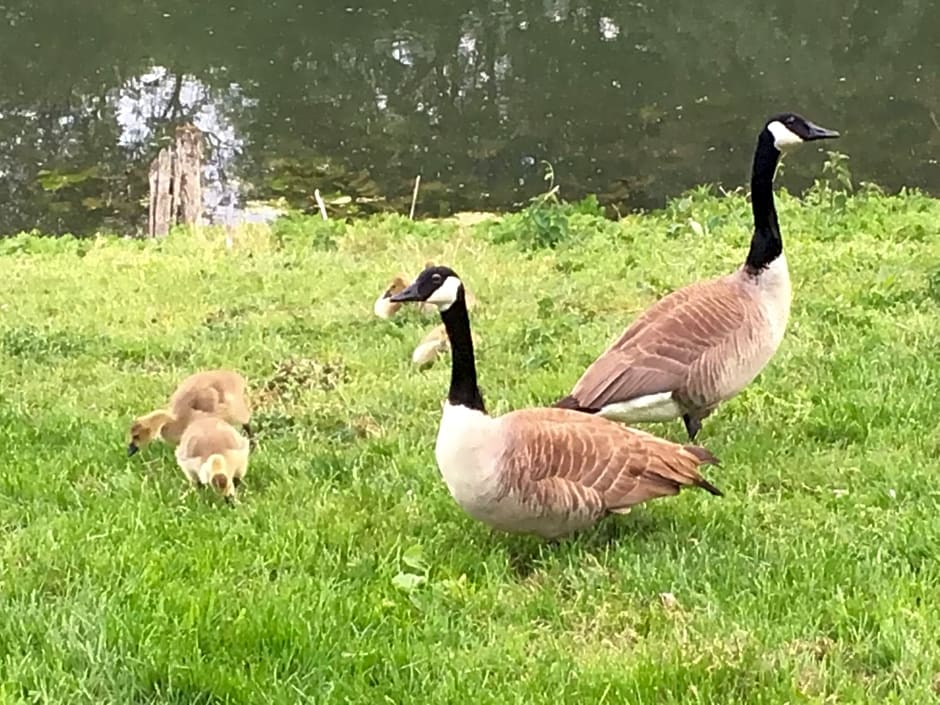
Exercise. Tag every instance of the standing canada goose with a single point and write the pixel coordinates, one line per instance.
(211, 392)
(544, 471)
(702, 344)
(213, 453)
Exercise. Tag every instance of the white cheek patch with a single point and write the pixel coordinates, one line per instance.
(783, 136)
(446, 294)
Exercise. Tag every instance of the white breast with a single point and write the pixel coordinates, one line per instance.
(775, 294)
(466, 451)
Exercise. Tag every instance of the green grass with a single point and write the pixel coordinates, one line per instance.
(348, 574)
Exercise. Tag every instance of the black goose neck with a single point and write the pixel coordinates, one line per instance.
(463, 371)
(766, 243)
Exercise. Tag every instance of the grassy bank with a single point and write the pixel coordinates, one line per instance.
(348, 574)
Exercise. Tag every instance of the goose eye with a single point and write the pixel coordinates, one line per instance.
(436, 278)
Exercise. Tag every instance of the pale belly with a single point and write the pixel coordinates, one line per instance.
(509, 514)
(652, 407)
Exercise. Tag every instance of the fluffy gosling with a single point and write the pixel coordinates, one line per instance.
(211, 392)
(212, 453)
(431, 345)
(384, 307)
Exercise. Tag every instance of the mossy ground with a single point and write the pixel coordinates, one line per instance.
(348, 574)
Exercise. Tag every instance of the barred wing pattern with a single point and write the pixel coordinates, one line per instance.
(577, 468)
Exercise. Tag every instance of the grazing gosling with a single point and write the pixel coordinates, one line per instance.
(434, 344)
(704, 343)
(384, 307)
(548, 472)
(219, 393)
(431, 345)
(212, 453)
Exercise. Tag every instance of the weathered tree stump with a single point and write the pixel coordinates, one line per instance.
(188, 174)
(176, 184)
(161, 199)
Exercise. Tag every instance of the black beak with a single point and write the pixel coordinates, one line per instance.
(409, 294)
(819, 133)
(131, 449)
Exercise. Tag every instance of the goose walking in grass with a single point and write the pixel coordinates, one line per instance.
(701, 345)
(220, 393)
(544, 471)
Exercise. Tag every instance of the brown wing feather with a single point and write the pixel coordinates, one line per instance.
(581, 464)
(655, 353)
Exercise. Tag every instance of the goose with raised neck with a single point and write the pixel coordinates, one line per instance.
(701, 345)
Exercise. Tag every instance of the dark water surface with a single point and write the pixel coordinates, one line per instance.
(634, 101)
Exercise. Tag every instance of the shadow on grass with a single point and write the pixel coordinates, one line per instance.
(527, 554)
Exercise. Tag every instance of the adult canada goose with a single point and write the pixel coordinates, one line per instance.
(544, 471)
(702, 344)
(210, 392)
(212, 453)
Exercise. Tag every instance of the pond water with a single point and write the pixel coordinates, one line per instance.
(633, 101)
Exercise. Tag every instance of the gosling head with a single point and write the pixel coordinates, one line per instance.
(222, 484)
(215, 472)
(146, 429)
(788, 130)
(435, 285)
(383, 307)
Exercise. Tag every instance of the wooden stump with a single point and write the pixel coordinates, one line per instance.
(161, 198)
(176, 184)
(188, 174)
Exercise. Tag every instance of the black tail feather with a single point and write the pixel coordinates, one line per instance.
(705, 457)
(569, 402)
(709, 487)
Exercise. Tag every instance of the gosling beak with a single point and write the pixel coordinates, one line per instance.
(820, 133)
(131, 449)
(408, 294)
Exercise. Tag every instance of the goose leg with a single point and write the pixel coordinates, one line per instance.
(252, 443)
(692, 425)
